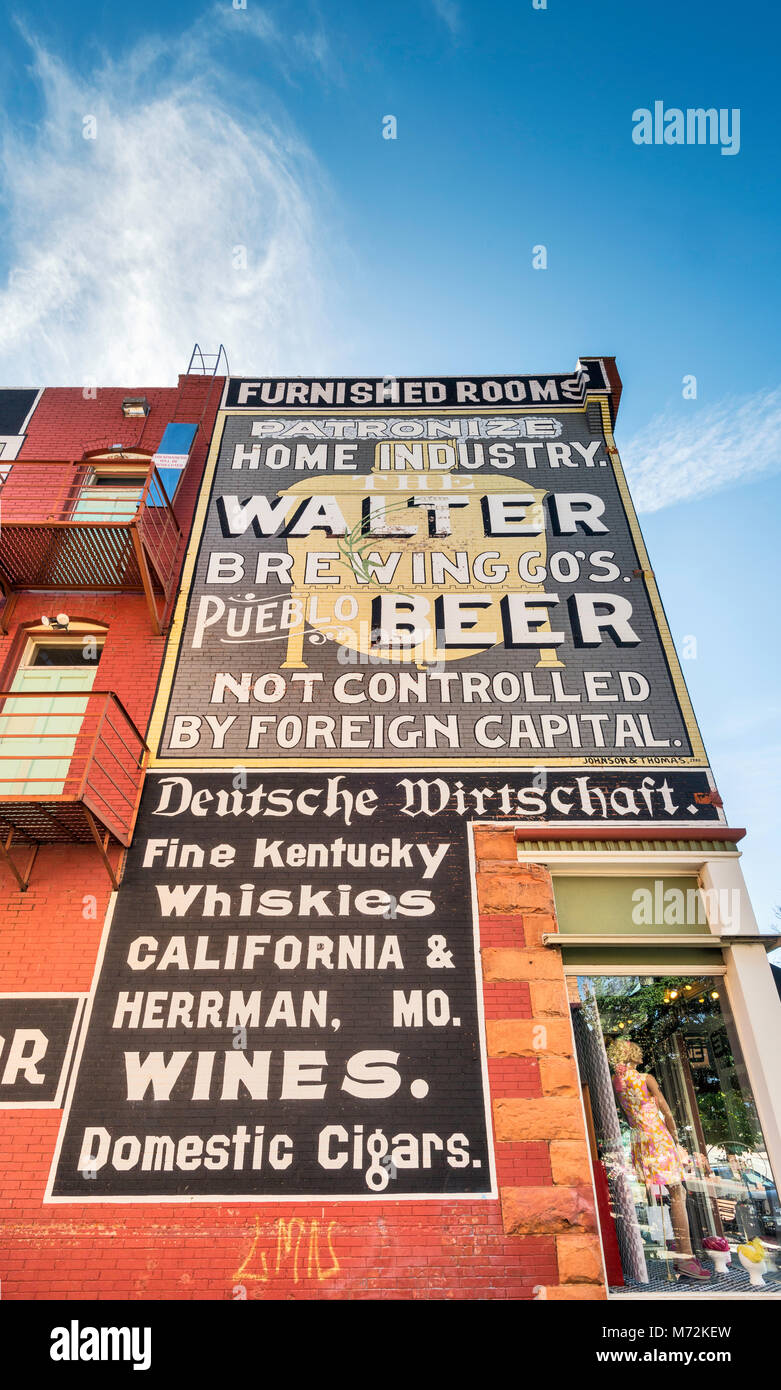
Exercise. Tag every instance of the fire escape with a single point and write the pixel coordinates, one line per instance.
(83, 782)
(72, 760)
(72, 764)
(104, 523)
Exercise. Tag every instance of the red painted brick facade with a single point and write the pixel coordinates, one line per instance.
(58, 953)
(538, 1240)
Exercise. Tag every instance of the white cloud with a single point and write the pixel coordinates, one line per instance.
(122, 248)
(676, 460)
(449, 13)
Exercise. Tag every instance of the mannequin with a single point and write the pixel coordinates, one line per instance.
(657, 1155)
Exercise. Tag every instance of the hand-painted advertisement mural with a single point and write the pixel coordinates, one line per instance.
(395, 621)
(287, 1003)
(435, 587)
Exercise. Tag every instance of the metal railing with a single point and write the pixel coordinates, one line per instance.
(88, 753)
(159, 530)
(61, 529)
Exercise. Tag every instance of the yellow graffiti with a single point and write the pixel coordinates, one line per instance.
(290, 1236)
(314, 1249)
(241, 1272)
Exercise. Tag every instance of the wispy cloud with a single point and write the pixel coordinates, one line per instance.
(677, 460)
(192, 214)
(449, 13)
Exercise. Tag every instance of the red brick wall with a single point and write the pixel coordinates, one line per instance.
(131, 657)
(67, 423)
(538, 1240)
(64, 425)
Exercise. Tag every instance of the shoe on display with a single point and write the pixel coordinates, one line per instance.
(692, 1269)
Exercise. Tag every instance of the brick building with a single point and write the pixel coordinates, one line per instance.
(368, 644)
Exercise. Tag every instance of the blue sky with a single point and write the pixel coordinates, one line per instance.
(238, 189)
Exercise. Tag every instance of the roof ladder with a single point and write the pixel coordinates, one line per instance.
(207, 363)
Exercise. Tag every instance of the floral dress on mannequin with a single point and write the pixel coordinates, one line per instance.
(658, 1159)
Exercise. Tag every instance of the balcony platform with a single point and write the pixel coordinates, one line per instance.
(80, 526)
(71, 773)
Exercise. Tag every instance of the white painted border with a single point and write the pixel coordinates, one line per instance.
(480, 987)
(28, 417)
(56, 1103)
(80, 1050)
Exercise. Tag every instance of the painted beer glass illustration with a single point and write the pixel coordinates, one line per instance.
(414, 538)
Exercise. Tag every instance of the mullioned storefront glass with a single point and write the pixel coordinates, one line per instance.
(686, 1194)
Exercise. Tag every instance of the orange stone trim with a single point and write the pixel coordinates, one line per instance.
(519, 898)
(575, 1293)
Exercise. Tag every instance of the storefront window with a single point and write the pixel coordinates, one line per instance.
(686, 1195)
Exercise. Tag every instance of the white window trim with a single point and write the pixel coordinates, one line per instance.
(750, 989)
(73, 638)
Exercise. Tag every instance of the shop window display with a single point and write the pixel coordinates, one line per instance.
(686, 1195)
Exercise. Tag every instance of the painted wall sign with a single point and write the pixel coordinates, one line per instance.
(463, 587)
(591, 374)
(37, 1035)
(287, 1003)
(16, 409)
(395, 621)
(288, 993)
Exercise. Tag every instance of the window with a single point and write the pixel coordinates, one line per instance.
(111, 493)
(68, 654)
(686, 1196)
(43, 716)
(116, 480)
